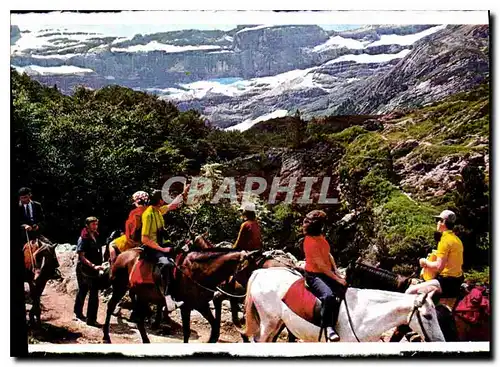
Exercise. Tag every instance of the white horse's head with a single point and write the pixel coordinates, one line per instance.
(424, 319)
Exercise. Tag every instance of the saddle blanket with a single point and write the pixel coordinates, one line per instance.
(142, 273)
(301, 301)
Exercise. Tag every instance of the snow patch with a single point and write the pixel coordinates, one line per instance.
(52, 70)
(247, 124)
(157, 46)
(338, 42)
(370, 59)
(256, 28)
(406, 40)
(63, 57)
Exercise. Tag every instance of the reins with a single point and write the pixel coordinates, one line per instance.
(207, 288)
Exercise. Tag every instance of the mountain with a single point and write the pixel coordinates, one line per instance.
(240, 77)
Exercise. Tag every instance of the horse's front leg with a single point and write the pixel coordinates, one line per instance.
(215, 327)
(186, 322)
(218, 299)
(117, 295)
(34, 302)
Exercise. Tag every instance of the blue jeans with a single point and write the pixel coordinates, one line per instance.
(163, 266)
(330, 293)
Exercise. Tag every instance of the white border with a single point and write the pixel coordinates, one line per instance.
(264, 349)
(263, 17)
(226, 4)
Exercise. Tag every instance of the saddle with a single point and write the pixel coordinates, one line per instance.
(29, 250)
(143, 271)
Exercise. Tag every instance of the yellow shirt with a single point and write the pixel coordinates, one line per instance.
(451, 251)
(123, 244)
(152, 221)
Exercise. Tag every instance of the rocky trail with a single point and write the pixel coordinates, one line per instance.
(60, 326)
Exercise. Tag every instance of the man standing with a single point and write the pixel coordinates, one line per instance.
(87, 271)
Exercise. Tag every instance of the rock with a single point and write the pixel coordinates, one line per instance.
(373, 125)
(65, 247)
(404, 148)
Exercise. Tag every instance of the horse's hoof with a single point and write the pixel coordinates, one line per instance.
(106, 341)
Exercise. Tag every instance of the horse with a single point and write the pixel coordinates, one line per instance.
(196, 277)
(235, 289)
(40, 262)
(370, 313)
(452, 324)
(194, 243)
(361, 275)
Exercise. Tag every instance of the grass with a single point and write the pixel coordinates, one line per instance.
(433, 154)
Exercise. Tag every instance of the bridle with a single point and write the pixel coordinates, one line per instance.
(416, 310)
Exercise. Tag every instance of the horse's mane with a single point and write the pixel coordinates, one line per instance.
(209, 254)
(364, 275)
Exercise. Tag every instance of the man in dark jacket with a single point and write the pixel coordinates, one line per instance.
(32, 220)
(89, 251)
(31, 217)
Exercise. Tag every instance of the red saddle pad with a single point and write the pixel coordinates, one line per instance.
(300, 300)
(142, 273)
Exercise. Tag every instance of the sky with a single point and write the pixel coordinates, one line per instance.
(127, 23)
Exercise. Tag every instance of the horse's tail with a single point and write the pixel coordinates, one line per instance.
(251, 316)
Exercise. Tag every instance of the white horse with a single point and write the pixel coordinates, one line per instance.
(372, 312)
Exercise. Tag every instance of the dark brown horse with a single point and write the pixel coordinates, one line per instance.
(235, 289)
(196, 278)
(40, 262)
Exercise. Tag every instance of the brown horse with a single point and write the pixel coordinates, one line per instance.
(235, 289)
(197, 276)
(198, 244)
(39, 262)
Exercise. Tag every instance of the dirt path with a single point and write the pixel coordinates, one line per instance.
(60, 326)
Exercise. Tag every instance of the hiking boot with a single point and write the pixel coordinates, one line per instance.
(80, 317)
(94, 324)
(171, 304)
(331, 334)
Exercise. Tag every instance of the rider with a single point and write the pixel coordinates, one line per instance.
(321, 273)
(249, 237)
(449, 259)
(153, 237)
(31, 219)
(133, 226)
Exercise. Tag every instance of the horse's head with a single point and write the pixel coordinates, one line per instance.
(424, 319)
(40, 257)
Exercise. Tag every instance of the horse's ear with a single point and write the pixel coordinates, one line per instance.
(430, 295)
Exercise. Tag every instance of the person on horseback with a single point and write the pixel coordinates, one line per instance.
(449, 259)
(249, 237)
(31, 220)
(89, 265)
(133, 226)
(153, 237)
(322, 275)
